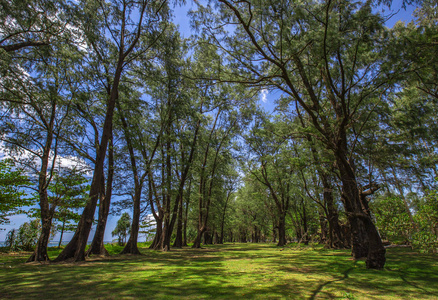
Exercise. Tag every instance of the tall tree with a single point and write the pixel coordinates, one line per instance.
(125, 22)
(327, 58)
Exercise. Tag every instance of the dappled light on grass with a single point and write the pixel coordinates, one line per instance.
(230, 271)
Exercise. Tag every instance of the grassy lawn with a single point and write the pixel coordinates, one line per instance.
(230, 271)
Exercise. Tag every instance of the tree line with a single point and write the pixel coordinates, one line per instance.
(172, 128)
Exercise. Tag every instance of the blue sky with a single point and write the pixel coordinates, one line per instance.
(182, 20)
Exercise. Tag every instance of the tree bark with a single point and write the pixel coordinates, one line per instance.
(366, 241)
(97, 246)
(18, 46)
(76, 247)
(282, 230)
(62, 233)
(336, 239)
(221, 238)
(197, 241)
(40, 253)
(131, 246)
(179, 227)
(187, 213)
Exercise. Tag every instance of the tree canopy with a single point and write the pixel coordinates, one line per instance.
(172, 129)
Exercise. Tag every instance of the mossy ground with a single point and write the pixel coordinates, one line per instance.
(230, 271)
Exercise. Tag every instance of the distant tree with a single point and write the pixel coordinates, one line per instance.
(426, 238)
(68, 193)
(25, 238)
(11, 196)
(392, 218)
(123, 228)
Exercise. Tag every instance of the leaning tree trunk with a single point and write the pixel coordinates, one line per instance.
(97, 246)
(336, 239)
(198, 239)
(40, 253)
(158, 234)
(366, 240)
(62, 233)
(76, 247)
(131, 246)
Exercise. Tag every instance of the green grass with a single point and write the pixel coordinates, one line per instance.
(231, 271)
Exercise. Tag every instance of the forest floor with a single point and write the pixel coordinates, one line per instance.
(230, 271)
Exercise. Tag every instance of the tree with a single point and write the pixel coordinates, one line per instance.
(11, 195)
(37, 97)
(29, 23)
(327, 58)
(123, 228)
(125, 22)
(68, 194)
(25, 238)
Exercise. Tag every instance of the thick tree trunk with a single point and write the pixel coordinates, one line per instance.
(366, 241)
(76, 247)
(97, 246)
(40, 253)
(131, 246)
(158, 233)
(336, 238)
(208, 238)
(282, 230)
(256, 235)
(197, 241)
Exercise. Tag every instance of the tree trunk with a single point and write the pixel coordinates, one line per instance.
(336, 238)
(324, 235)
(158, 234)
(40, 253)
(282, 230)
(179, 227)
(97, 246)
(274, 234)
(221, 238)
(366, 241)
(62, 233)
(208, 240)
(305, 230)
(185, 220)
(131, 246)
(197, 241)
(76, 247)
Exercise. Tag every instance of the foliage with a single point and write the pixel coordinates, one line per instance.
(392, 219)
(25, 238)
(11, 194)
(123, 228)
(426, 238)
(68, 193)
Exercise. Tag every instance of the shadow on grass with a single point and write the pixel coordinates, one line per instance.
(251, 271)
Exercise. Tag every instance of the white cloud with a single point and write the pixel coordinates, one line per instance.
(34, 162)
(264, 95)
